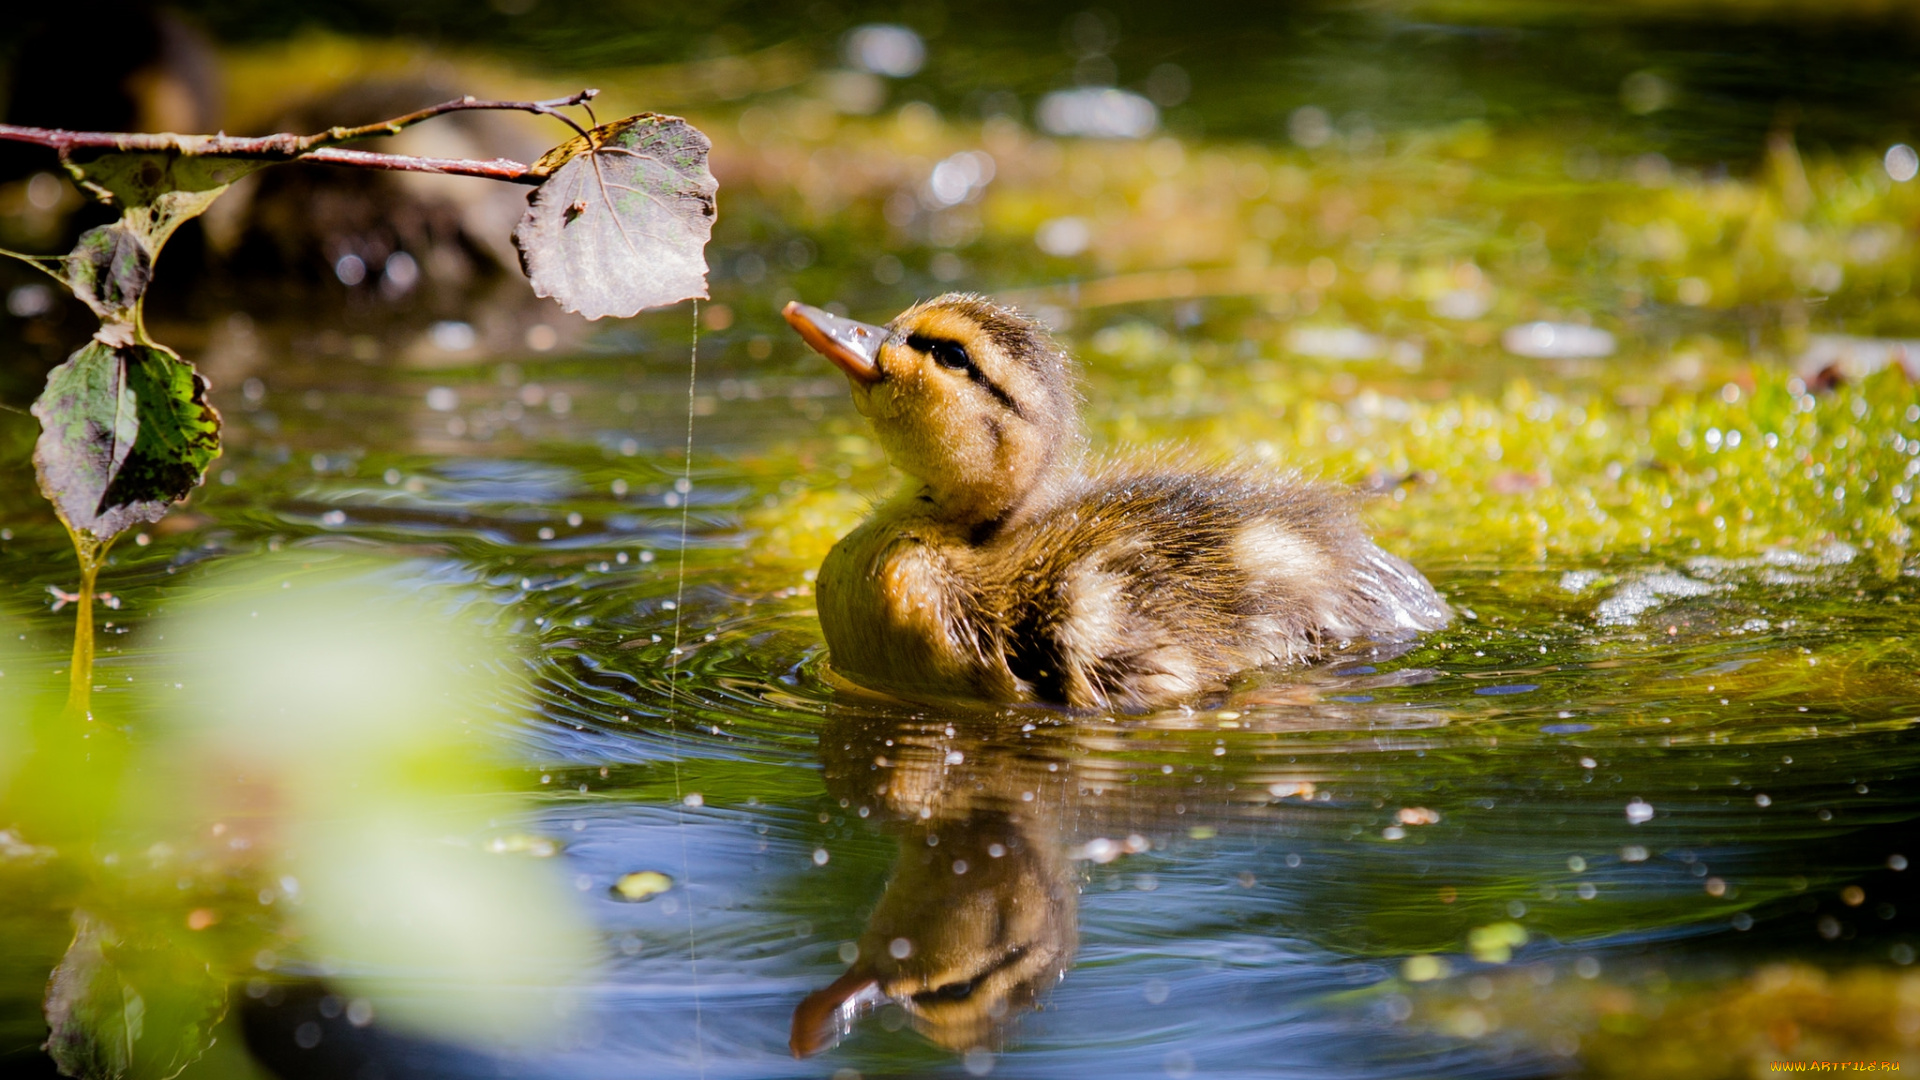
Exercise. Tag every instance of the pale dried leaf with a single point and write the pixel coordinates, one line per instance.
(622, 220)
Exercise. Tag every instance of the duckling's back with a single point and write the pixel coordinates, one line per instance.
(1143, 586)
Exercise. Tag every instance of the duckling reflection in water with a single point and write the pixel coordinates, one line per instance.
(1007, 569)
(980, 917)
(977, 921)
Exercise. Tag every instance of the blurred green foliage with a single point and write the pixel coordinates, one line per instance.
(319, 783)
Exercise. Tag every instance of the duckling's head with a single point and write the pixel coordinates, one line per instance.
(971, 398)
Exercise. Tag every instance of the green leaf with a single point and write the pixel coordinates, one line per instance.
(142, 1010)
(622, 220)
(125, 432)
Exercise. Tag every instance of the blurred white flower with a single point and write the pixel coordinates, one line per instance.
(960, 177)
(886, 49)
(1098, 112)
(1557, 341)
(1309, 126)
(1902, 163)
(1063, 236)
(1336, 343)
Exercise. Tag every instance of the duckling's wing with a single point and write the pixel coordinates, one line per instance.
(1311, 576)
(1147, 587)
(1105, 596)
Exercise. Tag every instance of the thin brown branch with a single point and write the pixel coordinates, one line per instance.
(274, 146)
(269, 147)
(550, 107)
(321, 147)
(497, 169)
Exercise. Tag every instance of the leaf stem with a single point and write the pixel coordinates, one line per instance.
(39, 262)
(92, 554)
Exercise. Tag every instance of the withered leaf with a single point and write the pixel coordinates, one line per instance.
(157, 190)
(622, 220)
(111, 266)
(139, 1010)
(108, 270)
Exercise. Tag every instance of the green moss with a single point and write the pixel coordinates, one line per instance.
(1697, 437)
(1646, 1023)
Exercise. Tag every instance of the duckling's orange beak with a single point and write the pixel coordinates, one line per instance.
(854, 347)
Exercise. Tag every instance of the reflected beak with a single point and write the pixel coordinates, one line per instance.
(816, 1023)
(854, 347)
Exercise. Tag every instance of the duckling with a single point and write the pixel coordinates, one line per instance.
(1011, 568)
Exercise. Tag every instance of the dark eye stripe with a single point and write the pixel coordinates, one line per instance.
(921, 343)
(961, 991)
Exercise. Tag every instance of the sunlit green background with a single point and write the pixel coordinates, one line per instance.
(1609, 307)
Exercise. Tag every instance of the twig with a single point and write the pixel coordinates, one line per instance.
(550, 107)
(320, 147)
(497, 169)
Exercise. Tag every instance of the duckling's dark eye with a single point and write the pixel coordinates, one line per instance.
(951, 354)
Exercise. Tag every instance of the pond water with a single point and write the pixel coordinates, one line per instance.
(1646, 807)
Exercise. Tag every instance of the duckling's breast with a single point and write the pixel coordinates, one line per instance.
(897, 615)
